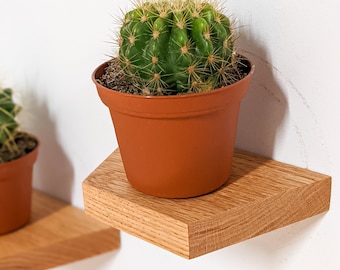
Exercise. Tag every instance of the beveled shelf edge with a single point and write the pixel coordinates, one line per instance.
(57, 234)
(261, 195)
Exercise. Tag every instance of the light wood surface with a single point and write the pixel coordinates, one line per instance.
(58, 233)
(261, 195)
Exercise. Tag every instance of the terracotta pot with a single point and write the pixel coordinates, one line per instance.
(176, 146)
(16, 192)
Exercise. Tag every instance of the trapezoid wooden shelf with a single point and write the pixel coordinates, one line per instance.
(57, 233)
(261, 195)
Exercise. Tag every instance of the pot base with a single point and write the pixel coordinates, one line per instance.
(181, 172)
(176, 194)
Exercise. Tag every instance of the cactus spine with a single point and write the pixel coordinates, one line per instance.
(179, 46)
(8, 124)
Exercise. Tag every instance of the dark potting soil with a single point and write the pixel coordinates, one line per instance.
(24, 145)
(115, 79)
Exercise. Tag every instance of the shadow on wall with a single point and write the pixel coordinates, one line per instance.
(53, 172)
(273, 250)
(264, 107)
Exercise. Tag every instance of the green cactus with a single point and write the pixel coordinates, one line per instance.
(8, 124)
(179, 46)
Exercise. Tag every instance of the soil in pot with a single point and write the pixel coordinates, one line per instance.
(24, 142)
(114, 79)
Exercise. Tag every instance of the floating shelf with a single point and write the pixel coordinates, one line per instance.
(261, 195)
(56, 234)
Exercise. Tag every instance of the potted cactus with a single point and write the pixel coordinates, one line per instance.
(174, 92)
(18, 152)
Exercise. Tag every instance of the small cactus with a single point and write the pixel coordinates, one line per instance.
(8, 124)
(178, 46)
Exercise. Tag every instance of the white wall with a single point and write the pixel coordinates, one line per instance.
(48, 50)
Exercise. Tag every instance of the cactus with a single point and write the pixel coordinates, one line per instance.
(8, 124)
(178, 46)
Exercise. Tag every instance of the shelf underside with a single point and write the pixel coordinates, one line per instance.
(261, 195)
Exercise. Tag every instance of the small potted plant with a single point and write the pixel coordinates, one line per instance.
(174, 92)
(18, 152)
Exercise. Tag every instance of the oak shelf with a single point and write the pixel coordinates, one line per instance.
(261, 195)
(57, 233)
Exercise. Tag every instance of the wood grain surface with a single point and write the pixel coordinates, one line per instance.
(260, 196)
(57, 233)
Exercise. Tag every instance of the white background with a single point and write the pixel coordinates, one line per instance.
(49, 48)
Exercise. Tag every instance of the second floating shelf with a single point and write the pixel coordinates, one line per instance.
(57, 234)
(260, 196)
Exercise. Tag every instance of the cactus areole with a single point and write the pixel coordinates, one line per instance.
(180, 46)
